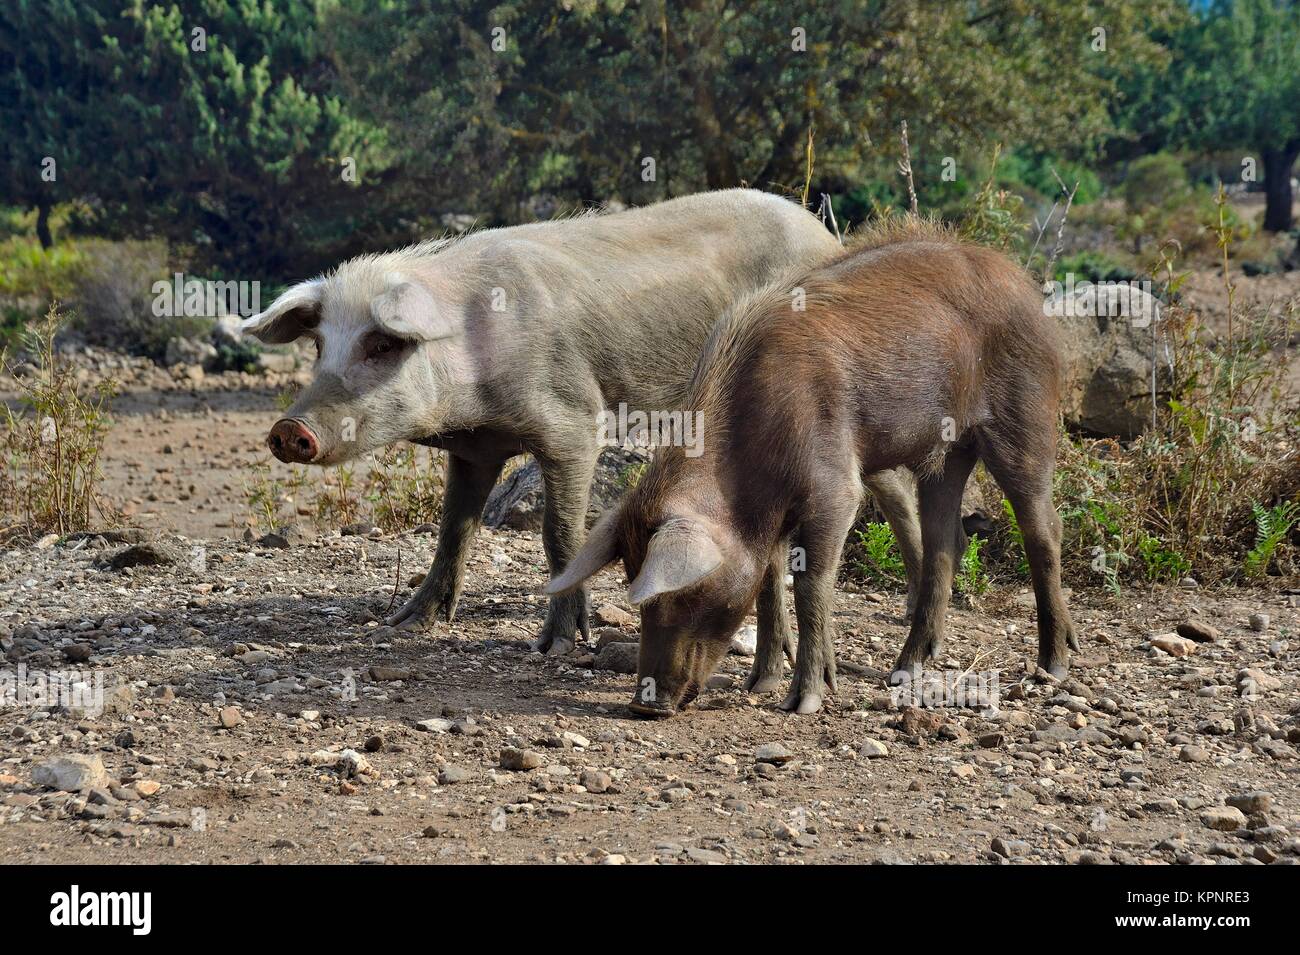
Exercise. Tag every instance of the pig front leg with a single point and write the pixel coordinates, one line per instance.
(822, 539)
(775, 642)
(468, 485)
(567, 484)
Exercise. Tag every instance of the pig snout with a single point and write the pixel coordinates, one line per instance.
(293, 442)
(671, 671)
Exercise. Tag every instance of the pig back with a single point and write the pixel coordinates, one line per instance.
(615, 308)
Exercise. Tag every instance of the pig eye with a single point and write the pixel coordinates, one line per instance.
(378, 346)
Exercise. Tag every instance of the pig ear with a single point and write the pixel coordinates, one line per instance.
(600, 549)
(409, 310)
(289, 316)
(681, 553)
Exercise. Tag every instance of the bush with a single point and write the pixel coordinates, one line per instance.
(114, 298)
(1154, 181)
(49, 452)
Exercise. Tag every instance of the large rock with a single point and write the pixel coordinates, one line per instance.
(71, 773)
(1112, 334)
(516, 502)
(188, 351)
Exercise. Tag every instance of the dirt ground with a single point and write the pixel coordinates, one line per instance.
(323, 757)
(256, 710)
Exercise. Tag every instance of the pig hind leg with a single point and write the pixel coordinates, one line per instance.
(567, 485)
(822, 540)
(943, 541)
(1022, 462)
(775, 641)
(468, 485)
(895, 494)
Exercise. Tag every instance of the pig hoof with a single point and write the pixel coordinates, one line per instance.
(1058, 671)
(555, 646)
(904, 673)
(763, 684)
(650, 710)
(802, 704)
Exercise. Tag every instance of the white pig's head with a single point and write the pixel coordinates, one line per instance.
(391, 362)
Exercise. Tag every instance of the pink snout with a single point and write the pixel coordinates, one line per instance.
(293, 442)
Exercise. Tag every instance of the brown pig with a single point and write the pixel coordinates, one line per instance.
(915, 349)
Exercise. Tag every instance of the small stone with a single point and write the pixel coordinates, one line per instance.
(71, 773)
(745, 642)
(595, 781)
(142, 555)
(873, 749)
(1174, 645)
(435, 725)
(353, 764)
(1223, 818)
(77, 652)
(612, 616)
(618, 657)
(1197, 630)
(774, 753)
(453, 775)
(520, 760)
(381, 674)
(1193, 754)
(311, 716)
(1259, 622)
(1009, 848)
(147, 787)
(990, 740)
(374, 744)
(229, 717)
(1251, 803)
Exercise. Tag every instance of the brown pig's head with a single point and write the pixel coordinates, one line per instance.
(693, 581)
(389, 361)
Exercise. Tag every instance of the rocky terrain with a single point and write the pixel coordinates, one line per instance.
(254, 709)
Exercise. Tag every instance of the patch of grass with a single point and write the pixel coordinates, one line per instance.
(51, 444)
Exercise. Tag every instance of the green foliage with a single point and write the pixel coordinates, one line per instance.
(1159, 562)
(717, 93)
(1154, 180)
(1233, 80)
(1017, 536)
(1092, 265)
(1272, 525)
(231, 141)
(971, 579)
(878, 558)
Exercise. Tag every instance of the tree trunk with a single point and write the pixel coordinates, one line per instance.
(43, 225)
(1278, 164)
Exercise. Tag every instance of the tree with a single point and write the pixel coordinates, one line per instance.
(211, 124)
(490, 104)
(1236, 76)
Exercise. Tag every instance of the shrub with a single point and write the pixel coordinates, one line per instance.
(114, 298)
(50, 451)
(875, 555)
